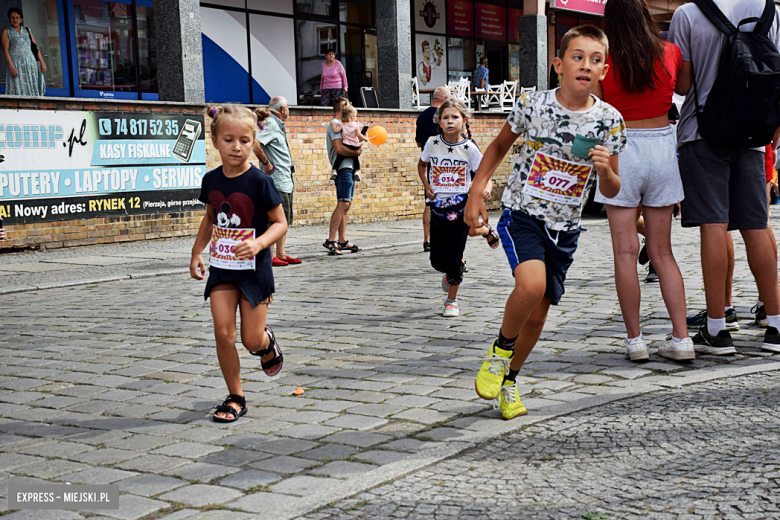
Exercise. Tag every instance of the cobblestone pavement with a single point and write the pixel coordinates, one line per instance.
(113, 382)
(705, 451)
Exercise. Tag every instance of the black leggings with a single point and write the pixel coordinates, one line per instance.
(355, 159)
(448, 241)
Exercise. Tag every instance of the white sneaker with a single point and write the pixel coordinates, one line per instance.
(637, 350)
(678, 351)
(356, 176)
(333, 175)
(451, 310)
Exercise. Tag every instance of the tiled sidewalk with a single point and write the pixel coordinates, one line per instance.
(113, 382)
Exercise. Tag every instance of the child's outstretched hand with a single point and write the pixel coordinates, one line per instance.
(246, 249)
(197, 267)
(600, 157)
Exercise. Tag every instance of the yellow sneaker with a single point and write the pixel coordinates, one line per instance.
(491, 375)
(509, 401)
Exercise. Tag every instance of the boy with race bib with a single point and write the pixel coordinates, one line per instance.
(241, 202)
(570, 137)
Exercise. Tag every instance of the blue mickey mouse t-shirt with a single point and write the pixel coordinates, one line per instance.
(242, 202)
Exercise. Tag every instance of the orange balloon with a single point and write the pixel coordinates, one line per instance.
(377, 135)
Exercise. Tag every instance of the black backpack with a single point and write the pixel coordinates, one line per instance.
(742, 108)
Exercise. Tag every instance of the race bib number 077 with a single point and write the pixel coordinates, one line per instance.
(557, 180)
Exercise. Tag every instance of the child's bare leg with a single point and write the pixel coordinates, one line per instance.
(530, 284)
(452, 293)
(529, 334)
(253, 334)
(224, 300)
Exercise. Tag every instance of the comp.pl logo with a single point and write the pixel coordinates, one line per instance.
(30, 136)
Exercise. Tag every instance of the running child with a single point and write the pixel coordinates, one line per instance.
(350, 136)
(244, 216)
(567, 133)
(453, 160)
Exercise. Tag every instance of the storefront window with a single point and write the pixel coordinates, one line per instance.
(147, 49)
(322, 7)
(314, 38)
(104, 45)
(461, 58)
(357, 11)
(42, 18)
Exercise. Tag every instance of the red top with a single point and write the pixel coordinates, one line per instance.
(652, 102)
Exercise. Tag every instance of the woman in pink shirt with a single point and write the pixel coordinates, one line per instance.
(333, 82)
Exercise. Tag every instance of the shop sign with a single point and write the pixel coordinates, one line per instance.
(429, 16)
(460, 17)
(582, 6)
(491, 22)
(514, 24)
(74, 165)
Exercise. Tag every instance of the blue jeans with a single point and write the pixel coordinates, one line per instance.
(345, 185)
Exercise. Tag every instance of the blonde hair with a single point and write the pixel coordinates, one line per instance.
(348, 111)
(460, 106)
(238, 113)
(584, 31)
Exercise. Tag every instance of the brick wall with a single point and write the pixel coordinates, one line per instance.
(390, 188)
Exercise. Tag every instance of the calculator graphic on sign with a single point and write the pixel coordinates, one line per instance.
(185, 143)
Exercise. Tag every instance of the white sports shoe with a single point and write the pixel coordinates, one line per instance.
(451, 310)
(678, 351)
(637, 350)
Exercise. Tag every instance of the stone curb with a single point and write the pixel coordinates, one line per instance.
(400, 469)
(153, 274)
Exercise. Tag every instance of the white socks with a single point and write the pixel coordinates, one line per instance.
(714, 326)
(773, 321)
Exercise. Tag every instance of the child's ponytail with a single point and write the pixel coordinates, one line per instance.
(261, 114)
(468, 130)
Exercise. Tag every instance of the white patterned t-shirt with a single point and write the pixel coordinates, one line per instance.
(548, 181)
(451, 168)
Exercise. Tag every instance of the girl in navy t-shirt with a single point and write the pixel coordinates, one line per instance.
(241, 202)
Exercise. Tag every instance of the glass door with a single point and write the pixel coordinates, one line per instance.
(372, 66)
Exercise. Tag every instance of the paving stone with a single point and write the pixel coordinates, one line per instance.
(626, 373)
(149, 484)
(287, 446)
(97, 476)
(307, 431)
(357, 422)
(190, 450)
(152, 463)
(50, 468)
(360, 439)
(342, 469)
(106, 456)
(199, 495)
(303, 485)
(329, 452)
(233, 457)
(201, 471)
(381, 457)
(592, 379)
(423, 415)
(249, 479)
(261, 502)
(284, 464)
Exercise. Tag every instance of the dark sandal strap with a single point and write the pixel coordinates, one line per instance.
(233, 398)
(264, 352)
(224, 408)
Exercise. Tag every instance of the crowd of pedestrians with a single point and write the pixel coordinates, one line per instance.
(607, 127)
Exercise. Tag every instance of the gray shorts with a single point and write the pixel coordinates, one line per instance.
(287, 206)
(648, 170)
(723, 186)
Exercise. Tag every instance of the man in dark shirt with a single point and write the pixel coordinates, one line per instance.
(425, 129)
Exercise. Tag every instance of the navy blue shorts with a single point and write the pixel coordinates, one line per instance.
(525, 238)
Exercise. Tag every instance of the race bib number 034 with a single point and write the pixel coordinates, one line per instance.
(222, 242)
(557, 180)
(448, 176)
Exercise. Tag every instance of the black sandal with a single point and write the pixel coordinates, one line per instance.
(492, 237)
(330, 245)
(353, 247)
(226, 408)
(274, 366)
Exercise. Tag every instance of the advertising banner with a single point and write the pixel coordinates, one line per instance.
(460, 17)
(514, 24)
(431, 60)
(582, 6)
(66, 165)
(491, 22)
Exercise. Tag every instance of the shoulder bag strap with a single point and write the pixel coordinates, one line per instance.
(767, 19)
